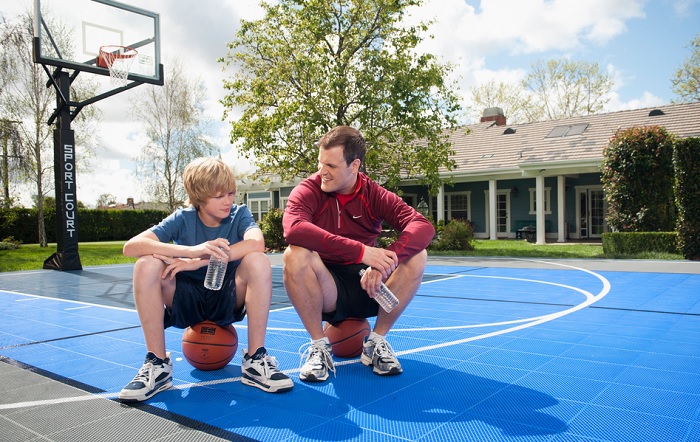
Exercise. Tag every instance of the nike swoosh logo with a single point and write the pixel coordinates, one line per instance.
(356, 216)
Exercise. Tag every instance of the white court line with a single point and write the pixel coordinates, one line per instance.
(28, 297)
(590, 299)
(587, 294)
(64, 400)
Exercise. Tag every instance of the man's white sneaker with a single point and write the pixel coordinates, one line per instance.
(378, 353)
(318, 362)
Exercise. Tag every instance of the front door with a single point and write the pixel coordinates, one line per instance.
(591, 212)
(502, 214)
(597, 211)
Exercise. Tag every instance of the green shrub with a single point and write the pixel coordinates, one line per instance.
(456, 235)
(271, 226)
(638, 180)
(9, 243)
(686, 160)
(633, 243)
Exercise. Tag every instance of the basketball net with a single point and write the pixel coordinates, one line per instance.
(118, 59)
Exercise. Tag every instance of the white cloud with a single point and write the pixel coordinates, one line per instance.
(523, 26)
(647, 99)
(682, 7)
(515, 33)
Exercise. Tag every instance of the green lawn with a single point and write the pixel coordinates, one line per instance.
(31, 256)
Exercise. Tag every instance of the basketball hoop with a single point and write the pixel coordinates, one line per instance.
(118, 60)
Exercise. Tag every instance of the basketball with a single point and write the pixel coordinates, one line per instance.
(347, 336)
(207, 346)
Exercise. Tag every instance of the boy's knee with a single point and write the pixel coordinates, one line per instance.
(257, 262)
(148, 263)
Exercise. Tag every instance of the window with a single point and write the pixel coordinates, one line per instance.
(258, 207)
(410, 198)
(458, 206)
(283, 202)
(547, 199)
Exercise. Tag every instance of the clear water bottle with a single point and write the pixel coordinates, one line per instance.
(215, 273)
(386, 299)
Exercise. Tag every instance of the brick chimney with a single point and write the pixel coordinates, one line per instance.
(130, 203)
(494, 114)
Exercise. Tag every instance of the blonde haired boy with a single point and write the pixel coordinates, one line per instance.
(169, 279)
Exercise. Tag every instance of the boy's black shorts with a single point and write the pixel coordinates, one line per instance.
(353, 301)
(192, 303)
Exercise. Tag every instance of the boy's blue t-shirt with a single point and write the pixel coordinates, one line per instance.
(184, 227)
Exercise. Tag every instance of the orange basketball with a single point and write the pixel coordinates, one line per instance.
(207, 346)
(347, 336)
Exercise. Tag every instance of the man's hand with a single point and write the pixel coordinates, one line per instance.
(371, 282)
(382, 260)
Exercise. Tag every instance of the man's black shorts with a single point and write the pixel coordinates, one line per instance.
(353, 301)
(192, 303)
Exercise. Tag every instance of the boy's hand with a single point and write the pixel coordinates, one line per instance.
(217, 247)
(173, 266)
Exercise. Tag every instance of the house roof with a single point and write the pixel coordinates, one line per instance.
(489, 151)
(515, 150)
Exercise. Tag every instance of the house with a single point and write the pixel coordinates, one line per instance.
(131, 205)
(507, 177)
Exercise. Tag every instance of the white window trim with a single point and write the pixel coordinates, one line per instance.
(547, 201)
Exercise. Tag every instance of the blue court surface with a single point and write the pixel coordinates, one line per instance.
(492, 350)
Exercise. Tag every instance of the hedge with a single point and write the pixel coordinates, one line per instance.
(632, 243)
(686, 158)
(93, 225)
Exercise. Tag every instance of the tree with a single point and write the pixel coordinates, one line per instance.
(686, 81)
(173, 116)
(27, 98)
(518, 106)
(50, 202)
(106, 199)
(11, 159)
(638, 180)
(566, 88)
(308, 66)
(11, 156)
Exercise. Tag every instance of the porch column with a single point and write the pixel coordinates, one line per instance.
(492, 209)
(561, 208)
(539, 207)
(441, 203)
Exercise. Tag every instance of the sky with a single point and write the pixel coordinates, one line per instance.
(640, 43)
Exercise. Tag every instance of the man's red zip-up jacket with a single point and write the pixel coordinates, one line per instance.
(317, 220)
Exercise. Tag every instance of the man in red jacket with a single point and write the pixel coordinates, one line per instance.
(332, 222)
